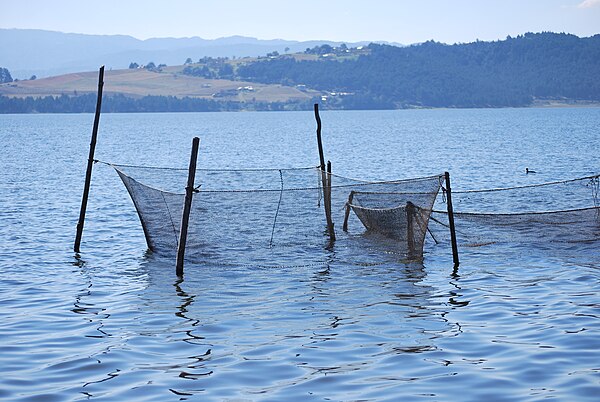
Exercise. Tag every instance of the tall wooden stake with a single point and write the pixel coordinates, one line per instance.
(319, 142)
(347, 213)
(451, 221)
(330, 227)
(88, 174)
(324, 178)
(185, 218)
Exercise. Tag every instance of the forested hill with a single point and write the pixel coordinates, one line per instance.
(511, 72)
(530, 69)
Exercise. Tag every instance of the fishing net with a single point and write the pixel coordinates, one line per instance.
(276, 216)
(549, 215)
(401, 216)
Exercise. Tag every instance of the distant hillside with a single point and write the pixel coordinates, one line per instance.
(136, 83)
(148, 90)
(513, 72)
(27, 52)
(531, 69)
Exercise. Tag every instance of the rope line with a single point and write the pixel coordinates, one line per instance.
(399, 207)
(204, 169)
(277, 211)
(516, 213)
(318, 188)
(363, 182)
(395, 192)
(416, 179)
(170, 218)
(525, 186)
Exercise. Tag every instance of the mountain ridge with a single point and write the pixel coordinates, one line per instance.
(27, 52)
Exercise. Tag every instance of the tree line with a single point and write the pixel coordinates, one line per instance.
(122, 104)
(510, 72)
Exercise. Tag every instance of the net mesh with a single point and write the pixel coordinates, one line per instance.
(549, 214)
(401, 216)
(273, 216)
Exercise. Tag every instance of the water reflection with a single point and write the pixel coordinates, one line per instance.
(93, 313)
(229, 331)
(332, 319)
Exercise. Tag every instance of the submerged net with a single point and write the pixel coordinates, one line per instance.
(558, 214)
(401, 216)
(274, 216)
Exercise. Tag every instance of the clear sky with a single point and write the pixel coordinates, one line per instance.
(402, 21)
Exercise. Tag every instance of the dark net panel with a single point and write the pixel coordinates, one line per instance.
(159, 211)
(558, 227)
(556, 196)
(399, 215)
(564, 212)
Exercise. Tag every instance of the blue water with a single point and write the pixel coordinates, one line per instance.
(116, 323)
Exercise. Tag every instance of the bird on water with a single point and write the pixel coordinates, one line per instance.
(527, 171)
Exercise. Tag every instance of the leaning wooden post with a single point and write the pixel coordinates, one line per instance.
(451, 220)
(347, 213)
(324, 178)
(185, 218)
(330, 227)
(319, 142)
(88, 174)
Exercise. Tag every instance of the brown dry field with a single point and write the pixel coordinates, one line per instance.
(139, 82)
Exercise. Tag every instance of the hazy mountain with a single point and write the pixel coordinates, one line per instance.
(26, 52)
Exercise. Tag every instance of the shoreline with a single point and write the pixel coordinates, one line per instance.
(71, 105)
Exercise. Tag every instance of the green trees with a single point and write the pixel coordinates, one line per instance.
(122, 104)
(512, 72)
(320, 50)
(209, 67)
(226, 71)
(5, 76)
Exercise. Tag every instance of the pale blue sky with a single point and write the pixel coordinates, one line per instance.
(403, 21)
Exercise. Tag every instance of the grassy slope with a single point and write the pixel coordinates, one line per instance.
(140, 82)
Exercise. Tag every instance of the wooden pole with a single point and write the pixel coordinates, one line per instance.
(185, 218)
(347, 213)
(451, 220)
(88, 174)
(319, 142)
(324, 177)
(330, 227)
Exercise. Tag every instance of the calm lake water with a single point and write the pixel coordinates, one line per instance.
(511, 324)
